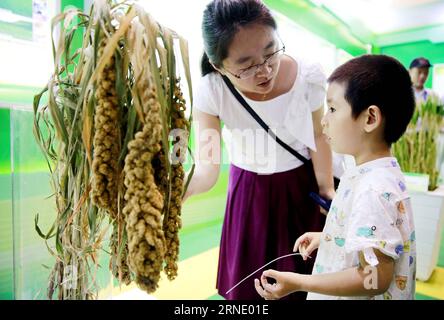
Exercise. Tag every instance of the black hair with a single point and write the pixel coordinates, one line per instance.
(221, 21)
(382, 81)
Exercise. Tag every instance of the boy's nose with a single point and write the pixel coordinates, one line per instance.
(324, 121)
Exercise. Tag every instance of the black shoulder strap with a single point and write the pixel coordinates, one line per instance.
(261, 122)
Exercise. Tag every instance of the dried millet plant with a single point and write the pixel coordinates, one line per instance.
(161, 172)
(143, 210)
(106, 139)
(172, 221)
(119, 251)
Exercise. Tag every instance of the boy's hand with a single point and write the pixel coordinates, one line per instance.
(307, 243)
(286, 283)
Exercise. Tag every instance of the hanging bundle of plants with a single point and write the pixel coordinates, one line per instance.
(106, 141)
(144, 201)
(172, 221)
(112, 106)
(416, 150)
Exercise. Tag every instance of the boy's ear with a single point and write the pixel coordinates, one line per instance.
(373, 119)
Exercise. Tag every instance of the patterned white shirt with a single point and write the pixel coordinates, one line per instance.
(371, 210)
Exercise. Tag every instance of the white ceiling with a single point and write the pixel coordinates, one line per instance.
(386, 16)
(408, 3)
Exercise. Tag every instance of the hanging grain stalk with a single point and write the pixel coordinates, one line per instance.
(106, 138)
(172, 221)
(112, 106)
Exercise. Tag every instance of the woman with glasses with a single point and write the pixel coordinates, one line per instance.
(268, 205)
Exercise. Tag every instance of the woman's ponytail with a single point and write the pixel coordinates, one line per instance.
(205, 65)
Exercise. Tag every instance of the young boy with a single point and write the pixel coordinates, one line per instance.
(367, 248)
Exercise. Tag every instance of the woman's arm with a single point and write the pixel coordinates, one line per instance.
(208, 153)
(322, 158)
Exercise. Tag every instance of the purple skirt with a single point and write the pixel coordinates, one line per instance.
(264, 216)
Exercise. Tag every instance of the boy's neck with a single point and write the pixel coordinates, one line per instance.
(372, 153)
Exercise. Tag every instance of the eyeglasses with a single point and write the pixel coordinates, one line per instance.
(253, 70)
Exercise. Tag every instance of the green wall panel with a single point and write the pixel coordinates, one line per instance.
(17, 95)
(5, 156)
(408, 51)
(24, 185)
(21, 29)
(320, 22)
(78, 37)
(28, 156)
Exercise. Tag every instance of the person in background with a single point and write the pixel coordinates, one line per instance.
(268, 205)
(367, 249)
(419, 72)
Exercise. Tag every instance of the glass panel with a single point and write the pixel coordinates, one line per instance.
(6, 252)
(31, 194)
(30, 191)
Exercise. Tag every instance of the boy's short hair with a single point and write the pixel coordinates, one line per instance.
(382, 81)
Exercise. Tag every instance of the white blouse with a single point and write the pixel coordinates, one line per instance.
(288, 115)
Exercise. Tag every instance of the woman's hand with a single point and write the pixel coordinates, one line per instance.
(206, 171)
(286, 283)
(307, 243)
(322, 159)
(186, 195)
(188, 192)
(327, 193)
